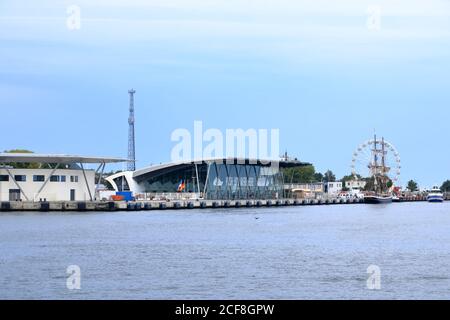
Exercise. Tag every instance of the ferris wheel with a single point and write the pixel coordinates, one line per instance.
(365, 159)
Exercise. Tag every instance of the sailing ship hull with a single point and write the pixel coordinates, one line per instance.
(377, 199)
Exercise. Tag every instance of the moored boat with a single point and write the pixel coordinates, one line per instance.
(435, 195)
(381, 182)
(378, 198)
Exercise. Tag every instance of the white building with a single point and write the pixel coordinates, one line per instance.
(59, 177)
(333, 187)
(355, 184)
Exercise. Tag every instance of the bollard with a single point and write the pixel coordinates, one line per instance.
(111, 206)
(5, 206)
(45, 206)
(81, 206)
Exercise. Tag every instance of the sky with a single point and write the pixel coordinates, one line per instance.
(325, 73)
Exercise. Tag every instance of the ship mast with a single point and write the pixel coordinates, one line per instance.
(375, 164)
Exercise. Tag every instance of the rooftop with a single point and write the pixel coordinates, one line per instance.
(54, 158)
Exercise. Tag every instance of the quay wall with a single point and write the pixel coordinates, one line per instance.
(165, 205)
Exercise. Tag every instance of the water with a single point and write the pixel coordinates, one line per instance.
(320, 252)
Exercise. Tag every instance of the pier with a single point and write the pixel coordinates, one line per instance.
(89, 206)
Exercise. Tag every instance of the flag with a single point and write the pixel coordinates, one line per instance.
(181, 186)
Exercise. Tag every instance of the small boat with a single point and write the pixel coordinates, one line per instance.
(435, 195)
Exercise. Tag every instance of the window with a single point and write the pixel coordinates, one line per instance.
(4, 178)
(63, 179)
(73, 178)
(54, 179)
(38, 178)
(20, 178)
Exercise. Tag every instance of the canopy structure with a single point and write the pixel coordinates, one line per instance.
(282, 163)
(54, 158)
(57, 161)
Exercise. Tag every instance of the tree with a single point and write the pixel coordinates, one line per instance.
(19, 165)
(412, 186)
(370, 184)
(446, 186)
(306, 174)
(329, 176)
(318, 177)
(351, 177)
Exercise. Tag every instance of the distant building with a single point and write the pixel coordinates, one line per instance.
(355, 184)
(306, 190)
(223, 179)
(333, 187)
(59, 178)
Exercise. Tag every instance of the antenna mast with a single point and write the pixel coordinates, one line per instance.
(131, 137)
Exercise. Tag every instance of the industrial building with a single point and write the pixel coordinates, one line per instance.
(224, 179)
(54, 178)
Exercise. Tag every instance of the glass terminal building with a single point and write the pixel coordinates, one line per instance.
(222, 179)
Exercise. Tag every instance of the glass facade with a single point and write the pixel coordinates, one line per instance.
(217, 180)
(243, 181)
(170, 180)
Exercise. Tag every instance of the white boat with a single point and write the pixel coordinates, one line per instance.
(435, 195)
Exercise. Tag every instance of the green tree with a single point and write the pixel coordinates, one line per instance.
(370, 184)
(446, 186)
(329, 176)
(318, 177)
(412, 186)
(351, 177)
(306, 174)
(19, 165)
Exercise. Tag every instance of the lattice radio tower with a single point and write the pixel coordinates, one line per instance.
(131, 138)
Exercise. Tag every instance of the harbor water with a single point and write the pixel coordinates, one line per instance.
(317, 252)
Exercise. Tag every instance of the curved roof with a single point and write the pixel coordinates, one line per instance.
(156, 169)
(54, 158)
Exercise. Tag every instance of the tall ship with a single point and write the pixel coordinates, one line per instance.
(378, 162)
(381, 182)
(435, 195)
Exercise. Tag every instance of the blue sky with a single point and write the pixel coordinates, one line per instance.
(313, 69)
